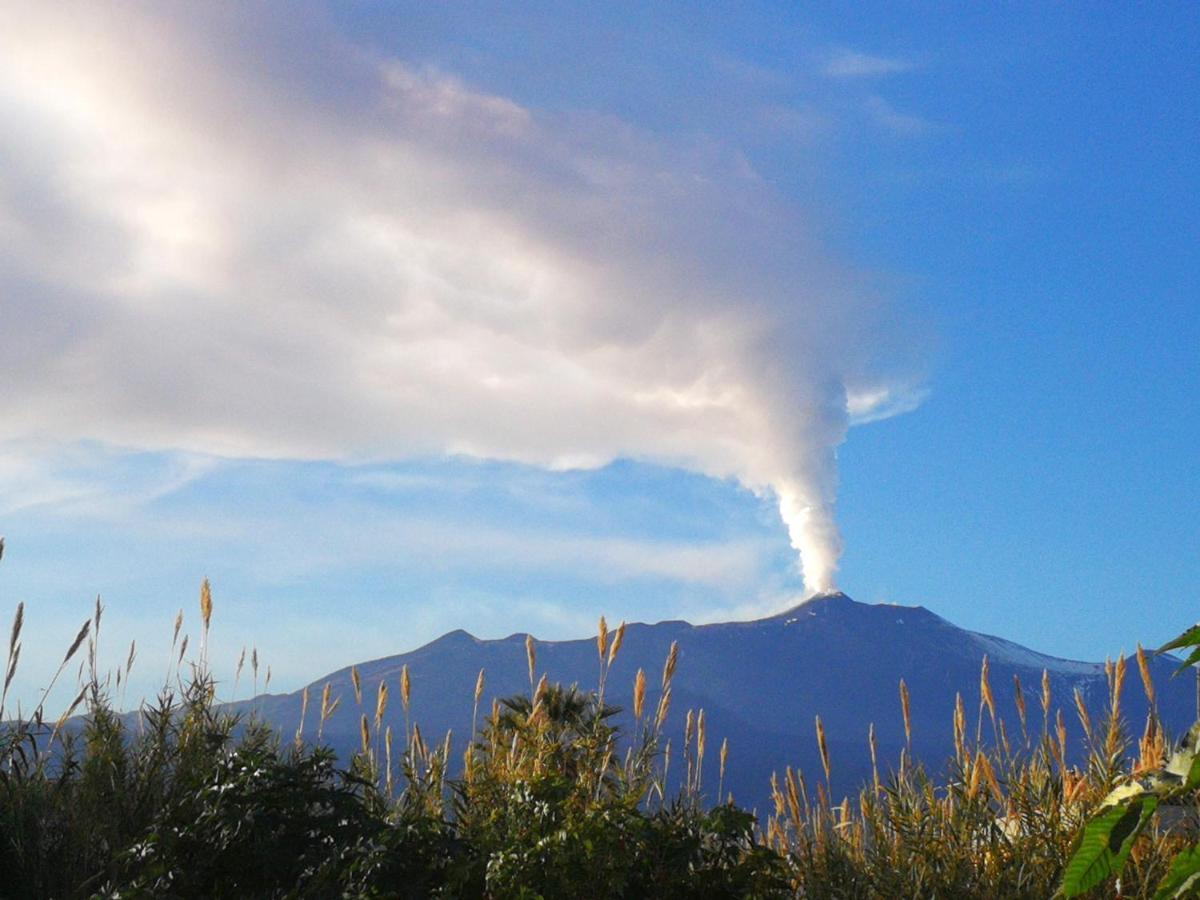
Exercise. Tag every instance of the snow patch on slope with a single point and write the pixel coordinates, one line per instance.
(1000, 650)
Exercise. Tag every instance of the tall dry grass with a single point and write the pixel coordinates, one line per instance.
(548, 797)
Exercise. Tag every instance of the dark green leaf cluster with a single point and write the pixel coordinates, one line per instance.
(190, 802)
(1108, 839)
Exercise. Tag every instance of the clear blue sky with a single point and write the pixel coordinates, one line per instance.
(986, 213)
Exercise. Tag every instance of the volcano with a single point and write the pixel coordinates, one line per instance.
(762, 683)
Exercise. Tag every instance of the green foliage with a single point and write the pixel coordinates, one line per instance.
(1183, 878)
(1105, 844)
(182, 799)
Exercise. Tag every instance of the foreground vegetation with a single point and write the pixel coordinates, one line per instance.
(186, 800)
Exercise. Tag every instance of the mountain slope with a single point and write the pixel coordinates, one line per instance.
(761, 684)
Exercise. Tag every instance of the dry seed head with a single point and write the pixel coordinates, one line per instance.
(267, 682)
(12, 667)
(365, 728)
(253, 659)
(241, 662)
(381, 703)
(419, 747)
(960, 725)
(1019, 698)
(688, 730)
(387, 750)
(530, 656)
(669, 667)
(1144, 669)
(178, 625)
(985, 688)
(206, 603)
(1062, 734)
(823, 747)
(973, 782)
(303, 712)
(1084, 719)
(1078, 787)
(793, 795)
(776, 794)
(602, 639)
(405, 687)
(325, 708)
(906, 710)
(639, 693)
(70, 710)
(981, 761)
(183, 648)
(871, 742)
(1152, 748)
(15, 634)
(664, 705)
(616, 644)
(1046, 697)
(1118, 684)
(543, 685)
(479, 686)
(355, 681)
(724, 755)
(700, 735)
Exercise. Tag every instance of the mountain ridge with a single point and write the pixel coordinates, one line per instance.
(761, 682)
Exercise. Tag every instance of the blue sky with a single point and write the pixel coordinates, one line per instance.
(393, 319)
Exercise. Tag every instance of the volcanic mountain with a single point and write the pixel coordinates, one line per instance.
(761, 684)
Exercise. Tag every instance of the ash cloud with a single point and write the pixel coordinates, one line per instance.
(244, 237)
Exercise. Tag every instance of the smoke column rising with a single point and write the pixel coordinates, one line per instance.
(230, 234)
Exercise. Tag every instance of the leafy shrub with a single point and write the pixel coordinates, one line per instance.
(183, 799)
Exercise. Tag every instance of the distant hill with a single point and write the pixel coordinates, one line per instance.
(761, 684)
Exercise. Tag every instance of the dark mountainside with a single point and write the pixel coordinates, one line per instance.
(761, 684)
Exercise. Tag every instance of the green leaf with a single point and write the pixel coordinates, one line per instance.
(1182, 878)
(1193, 658)
(1105, 844)
(1190, 638)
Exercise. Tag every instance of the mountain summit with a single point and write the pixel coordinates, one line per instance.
(762, 683)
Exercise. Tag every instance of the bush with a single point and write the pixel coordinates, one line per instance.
(183, 799)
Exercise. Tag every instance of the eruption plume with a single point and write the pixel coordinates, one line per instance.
(237, 236)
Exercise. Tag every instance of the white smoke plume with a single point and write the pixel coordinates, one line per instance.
(226, 233)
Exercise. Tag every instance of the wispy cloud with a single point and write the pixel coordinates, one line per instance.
(886, 116)
(329, 255)
(751, 74)
(90, 481)
(845, 63)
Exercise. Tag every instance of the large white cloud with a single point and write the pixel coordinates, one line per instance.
(245, 237)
